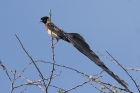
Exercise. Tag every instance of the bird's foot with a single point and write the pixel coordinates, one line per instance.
(52, 46)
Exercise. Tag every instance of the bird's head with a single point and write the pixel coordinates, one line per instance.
(45, 19)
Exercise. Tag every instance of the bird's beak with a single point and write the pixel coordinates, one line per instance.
(40, 21)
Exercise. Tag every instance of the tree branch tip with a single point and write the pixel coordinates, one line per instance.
(0, 63)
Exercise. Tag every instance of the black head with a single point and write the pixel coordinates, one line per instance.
(44, 19)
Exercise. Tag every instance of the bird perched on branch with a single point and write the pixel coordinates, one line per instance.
(79, 43)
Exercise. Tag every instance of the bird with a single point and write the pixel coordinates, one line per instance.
(53, 30)
(80, 44)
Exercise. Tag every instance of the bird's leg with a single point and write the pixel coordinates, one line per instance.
(55, 42)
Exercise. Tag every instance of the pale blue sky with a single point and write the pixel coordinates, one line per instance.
(106, 25)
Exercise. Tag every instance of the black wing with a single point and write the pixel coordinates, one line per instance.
(60, 33)
(78, 42)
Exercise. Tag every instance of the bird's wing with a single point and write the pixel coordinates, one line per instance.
(78, 42)
(59, 32)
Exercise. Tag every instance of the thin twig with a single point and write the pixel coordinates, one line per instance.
(40, 74)
(113, 61)
(99, 82)
(47, 78)
(25, 69)
(25, 84)
(122, 89)
(22, 90)
(77, 86)
(12, 83)
(136, 69)
(96, 88)
(65, 67)
(99, 73)
(5, 69)
(29, 81)
(57, 87)
(124, 70)
(18, 75)
(50, 12)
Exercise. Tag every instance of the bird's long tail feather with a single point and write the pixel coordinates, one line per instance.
(78, 42)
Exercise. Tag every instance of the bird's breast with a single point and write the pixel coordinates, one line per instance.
(52, 34)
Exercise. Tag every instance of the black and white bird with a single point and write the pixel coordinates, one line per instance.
(79, 43)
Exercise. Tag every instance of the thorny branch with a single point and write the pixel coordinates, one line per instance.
(29, 82)
(52, 75)
(125, 71)
(113, 61)
(136, 69)
(118, 64)
(96, 88)
(23, 90)
(5, 69)
(77, 86)
(52, 71)
(85, 75)
(12, 83)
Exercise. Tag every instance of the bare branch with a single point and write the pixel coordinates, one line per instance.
(22, 90)
(52, 71)
(4, 68)
(25, 69)
(99, 73)
(65, 67)
(77, 86)
(113, 61)
(96, 88)
(136, 69)
(124, 70)
(40, 74)
(12, 83)
(57, 87)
